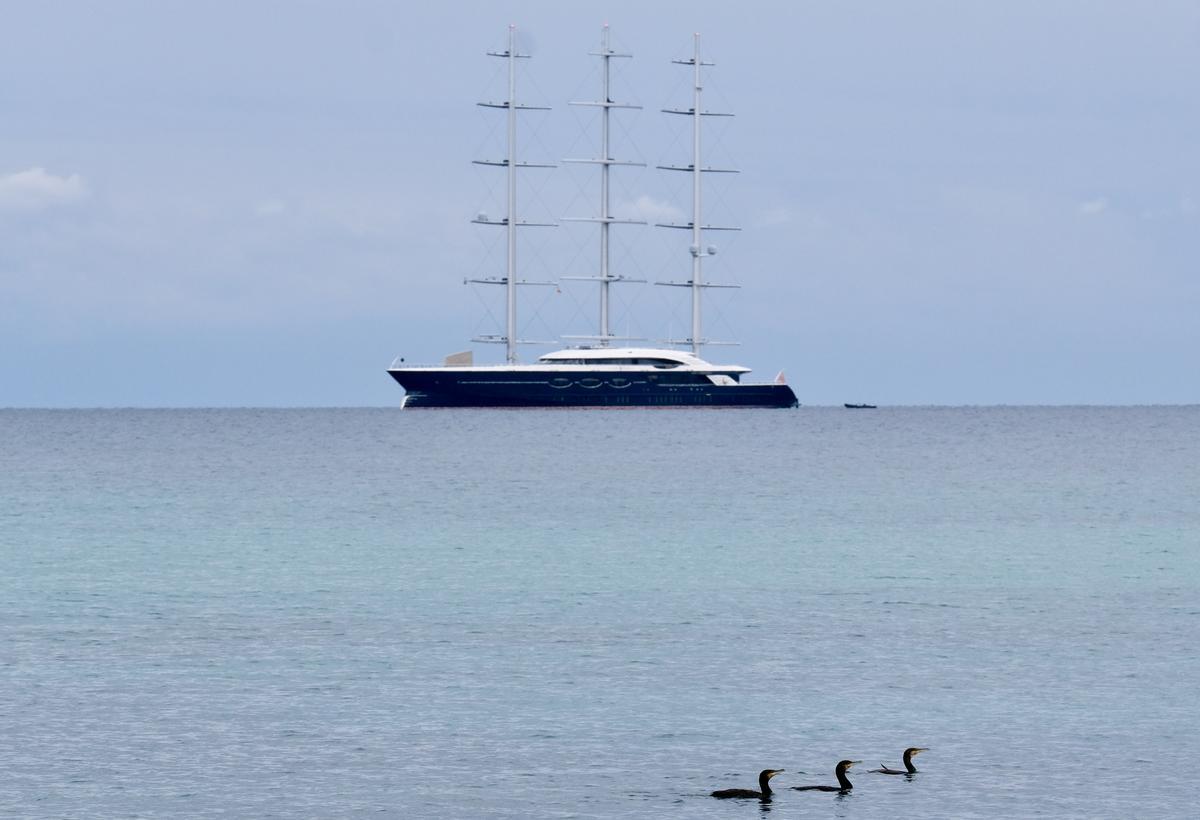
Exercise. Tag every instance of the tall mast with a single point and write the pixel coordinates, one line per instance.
(510, 220)
(510, 275)
(697, 234)
(605, 161)
(697, 249)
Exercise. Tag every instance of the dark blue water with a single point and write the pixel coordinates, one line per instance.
(449, 614)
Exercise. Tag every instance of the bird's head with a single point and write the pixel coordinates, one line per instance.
(843, 765)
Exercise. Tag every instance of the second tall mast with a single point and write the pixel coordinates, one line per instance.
(605, 219)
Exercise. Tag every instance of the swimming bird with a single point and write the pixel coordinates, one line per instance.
(909, 754)
(844, 783)
(764, 784)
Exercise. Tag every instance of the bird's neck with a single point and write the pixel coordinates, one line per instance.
(908, 764)
(764, 785)
(843, 781)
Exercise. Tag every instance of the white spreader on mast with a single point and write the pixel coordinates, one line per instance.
(697, 249)
(605, 219)
(510, 221)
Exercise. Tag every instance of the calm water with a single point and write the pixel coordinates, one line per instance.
(466, 614)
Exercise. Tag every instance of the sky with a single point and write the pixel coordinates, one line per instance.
(263, 203)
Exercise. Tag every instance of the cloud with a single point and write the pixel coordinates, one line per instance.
(1093, 206)
(37, 190)
(652, 210)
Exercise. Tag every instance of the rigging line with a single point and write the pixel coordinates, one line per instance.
(490, 203)
(627, 299)
(578, 315)
(682, 78)
(588, 81)
(495, 322)
(626, 130)
(580, 175)
(574, 208)
(581, 246)
(532, 194)
(720, 305)
(486, 263)
(534, 127)
(618, 69)
(582, 139)
(488, 143)
(625, 257)
(536, 315)
(535, 254)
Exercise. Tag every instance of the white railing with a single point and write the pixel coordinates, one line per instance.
(399, 363)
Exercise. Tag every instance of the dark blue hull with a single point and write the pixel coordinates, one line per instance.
(435, 387)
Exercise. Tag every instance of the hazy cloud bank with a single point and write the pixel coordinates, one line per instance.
(37, 190)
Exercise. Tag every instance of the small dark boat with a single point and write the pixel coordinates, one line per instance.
(859, 406)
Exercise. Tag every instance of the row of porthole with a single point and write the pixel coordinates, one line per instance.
(589, 383)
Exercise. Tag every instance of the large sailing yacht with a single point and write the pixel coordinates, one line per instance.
(597, 374)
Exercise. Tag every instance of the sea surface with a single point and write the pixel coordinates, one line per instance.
(590, 614)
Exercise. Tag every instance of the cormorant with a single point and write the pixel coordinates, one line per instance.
(764, 784)
(909, 754)
(843, 783)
